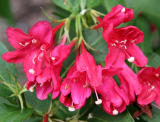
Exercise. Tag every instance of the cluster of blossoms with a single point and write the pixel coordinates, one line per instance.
(42, 61)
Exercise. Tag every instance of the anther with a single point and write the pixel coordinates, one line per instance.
(131, 59)
(115, 112)
(71, 109)
(53, 58)
(123, 10)
(34, 41)
(98, 102)
(31, 71)
(31, 89)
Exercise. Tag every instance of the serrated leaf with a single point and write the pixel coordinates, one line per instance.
(6, 68)
(40, 105)
(98, 115)
(13, 114)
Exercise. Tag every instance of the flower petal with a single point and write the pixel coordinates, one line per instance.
(14, 56)
(115, 58)
(118, 15)
(140, 59)
(17, 38)
(44, 90)
(42, 31)
(87, 63)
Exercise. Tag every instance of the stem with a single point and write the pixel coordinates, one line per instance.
(21, 102)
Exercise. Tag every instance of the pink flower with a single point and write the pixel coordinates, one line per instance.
(149, 77)
(41, 61)
(118, 15)
(81, 78)
(129, 82)
(75, 89)
(122, 44)
(122, 41)
(114, 99)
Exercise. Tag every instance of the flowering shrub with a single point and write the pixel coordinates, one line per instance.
(72, 78)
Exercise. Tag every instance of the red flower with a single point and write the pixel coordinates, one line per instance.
(118, 15)
(149, 77)
(41, 62)
(122, 41)
(114, 99)
(81, 78)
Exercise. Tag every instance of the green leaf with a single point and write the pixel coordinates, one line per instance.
(155, 115)
(69, 5)
(154, 60)
(61, 112)
(147, 7)
(95, 40)
(93, 3)
(4, 91)
(40, 105)
(33, 119)
(7, 69)
(98, 115)
(109, 4)
(5, 11)
(143, 24)
(13, 114)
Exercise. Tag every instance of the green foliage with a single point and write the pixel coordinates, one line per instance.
(5, 11)
(7, 69)
(13, 114)
(34, 102)
(100, 116)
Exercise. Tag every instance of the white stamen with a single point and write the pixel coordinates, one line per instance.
(152, 87)
(31, 71)
(123, 10)
(71, 109)
(113, 44)
(53, 58)
(34, 59)
(83, 12)
(131, 59)
(157, 75)
(117, 41)
(34, 41)
(24, 44)
(115, 112)
(31, 89)
(124, 41)
(90, 116)
(98, 101)
(137, 118)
